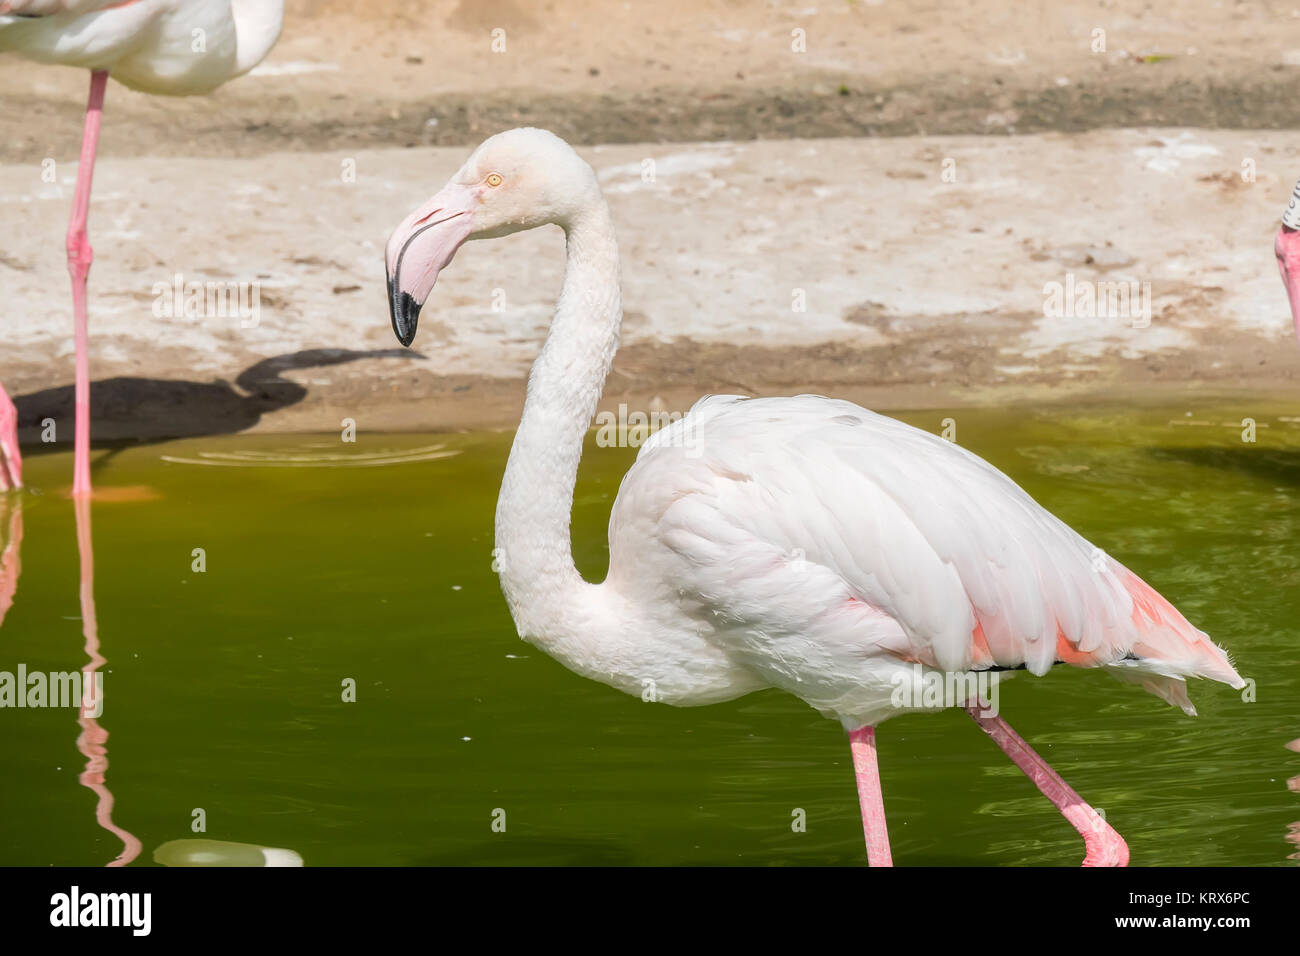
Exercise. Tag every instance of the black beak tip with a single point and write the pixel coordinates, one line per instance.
(405, 313)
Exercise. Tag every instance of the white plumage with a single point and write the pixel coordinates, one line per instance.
(824, 546)
(172, 47)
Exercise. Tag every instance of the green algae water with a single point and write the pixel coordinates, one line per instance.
(304, 647)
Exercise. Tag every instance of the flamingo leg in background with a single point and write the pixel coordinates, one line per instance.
(80, 256)
(1104, 846)
(156, 39)
(11, 461)
(863, 744)
(10, 557)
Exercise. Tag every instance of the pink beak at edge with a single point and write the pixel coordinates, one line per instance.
(1287, 248)
(420, 248)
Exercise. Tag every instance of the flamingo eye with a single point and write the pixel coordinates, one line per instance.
(494, 179)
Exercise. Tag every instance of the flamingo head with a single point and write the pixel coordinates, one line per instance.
(516, 180)
(1287, 249)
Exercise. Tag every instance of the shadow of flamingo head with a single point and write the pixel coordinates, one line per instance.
(516, 180)
(1287, 249)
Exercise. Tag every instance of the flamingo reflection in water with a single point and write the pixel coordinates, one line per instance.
(1293, 831)
(93, 739)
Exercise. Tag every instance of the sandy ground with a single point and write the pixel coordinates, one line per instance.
(918, 291)
(409, 72)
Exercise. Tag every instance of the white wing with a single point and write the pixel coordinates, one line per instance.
(49, 8)
(910, 527)
(171, 47)
(91, 34)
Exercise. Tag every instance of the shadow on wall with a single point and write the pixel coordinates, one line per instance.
(151, 409)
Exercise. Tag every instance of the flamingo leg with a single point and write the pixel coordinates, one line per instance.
(11, 460)
(80, 256)
(1103, 846)
(865, 766)
(10, 557)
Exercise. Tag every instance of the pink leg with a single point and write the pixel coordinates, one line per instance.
(79, 258)
(11, 460)
(1103, 846)
(863, 744)
(10, 557)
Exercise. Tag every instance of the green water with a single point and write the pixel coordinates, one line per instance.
(224, 688)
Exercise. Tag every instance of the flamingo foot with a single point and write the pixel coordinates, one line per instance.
(11, 459)
(863, 744)
(1103, 846)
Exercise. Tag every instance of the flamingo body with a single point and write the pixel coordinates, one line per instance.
(827, 550)
(169, 47)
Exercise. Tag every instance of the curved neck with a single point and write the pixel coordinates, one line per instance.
(257, 27)
(534, 554)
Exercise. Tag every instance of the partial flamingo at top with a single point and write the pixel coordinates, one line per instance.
(172, 47)
(169, 47)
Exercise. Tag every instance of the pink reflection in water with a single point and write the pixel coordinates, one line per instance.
(1293, 831)
(92, 741)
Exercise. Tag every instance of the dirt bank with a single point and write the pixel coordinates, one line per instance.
(397, 73)
(844, 266)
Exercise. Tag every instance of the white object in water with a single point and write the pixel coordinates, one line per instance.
(222, 853)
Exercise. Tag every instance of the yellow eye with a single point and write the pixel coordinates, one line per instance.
(493, 179)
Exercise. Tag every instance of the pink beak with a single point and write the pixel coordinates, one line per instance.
(420, 248)
(1287, 249)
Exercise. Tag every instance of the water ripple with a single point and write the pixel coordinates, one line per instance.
(254, 459)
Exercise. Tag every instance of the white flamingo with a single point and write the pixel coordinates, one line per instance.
(802, 543)
(172, 47)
